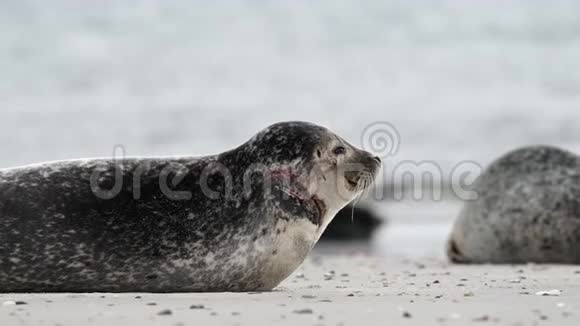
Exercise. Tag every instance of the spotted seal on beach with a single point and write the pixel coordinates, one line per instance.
(242, 220)
(527, 210)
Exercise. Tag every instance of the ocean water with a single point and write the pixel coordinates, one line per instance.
(459, 80)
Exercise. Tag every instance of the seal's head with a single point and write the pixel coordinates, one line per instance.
(315, 164)
(295, 176)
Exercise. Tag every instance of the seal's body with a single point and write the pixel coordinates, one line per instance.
(527, 210)
(242, 220)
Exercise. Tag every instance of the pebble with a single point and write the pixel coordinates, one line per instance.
(196, 306)
(165, 312)
(483, 318)
(303, 311)
(549, 293)
(328, 276)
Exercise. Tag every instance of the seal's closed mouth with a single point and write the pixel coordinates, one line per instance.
(361, 180)
(353, 184)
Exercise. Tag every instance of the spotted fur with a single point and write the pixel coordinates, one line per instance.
(56, 235)
(527, 210)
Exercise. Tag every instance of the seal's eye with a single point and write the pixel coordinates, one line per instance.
(339, 150)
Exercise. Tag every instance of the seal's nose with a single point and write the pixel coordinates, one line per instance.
(377, 159)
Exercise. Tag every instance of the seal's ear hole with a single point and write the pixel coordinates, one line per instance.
(318, 153)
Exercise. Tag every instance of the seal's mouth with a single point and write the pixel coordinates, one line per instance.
(352, 183)
(363, 177)
(360, 180)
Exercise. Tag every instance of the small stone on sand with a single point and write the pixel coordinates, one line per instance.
(196, 306)
(549, 293)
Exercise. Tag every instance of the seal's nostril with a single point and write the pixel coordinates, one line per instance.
(378, 159)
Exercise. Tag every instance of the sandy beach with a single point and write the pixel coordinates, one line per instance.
(460, 82)
(353, 288)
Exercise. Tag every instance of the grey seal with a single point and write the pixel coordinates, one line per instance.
(241, 220)
(527, 210)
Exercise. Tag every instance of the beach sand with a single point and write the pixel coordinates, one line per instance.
(350, 288)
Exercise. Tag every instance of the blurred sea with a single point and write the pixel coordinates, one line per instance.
(460, 80)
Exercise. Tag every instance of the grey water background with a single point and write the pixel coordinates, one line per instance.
(460, 80)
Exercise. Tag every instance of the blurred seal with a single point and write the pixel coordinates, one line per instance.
(528, 210)
(242, 220)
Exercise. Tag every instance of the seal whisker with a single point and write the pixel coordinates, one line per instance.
(362, 189)
(355, 202)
